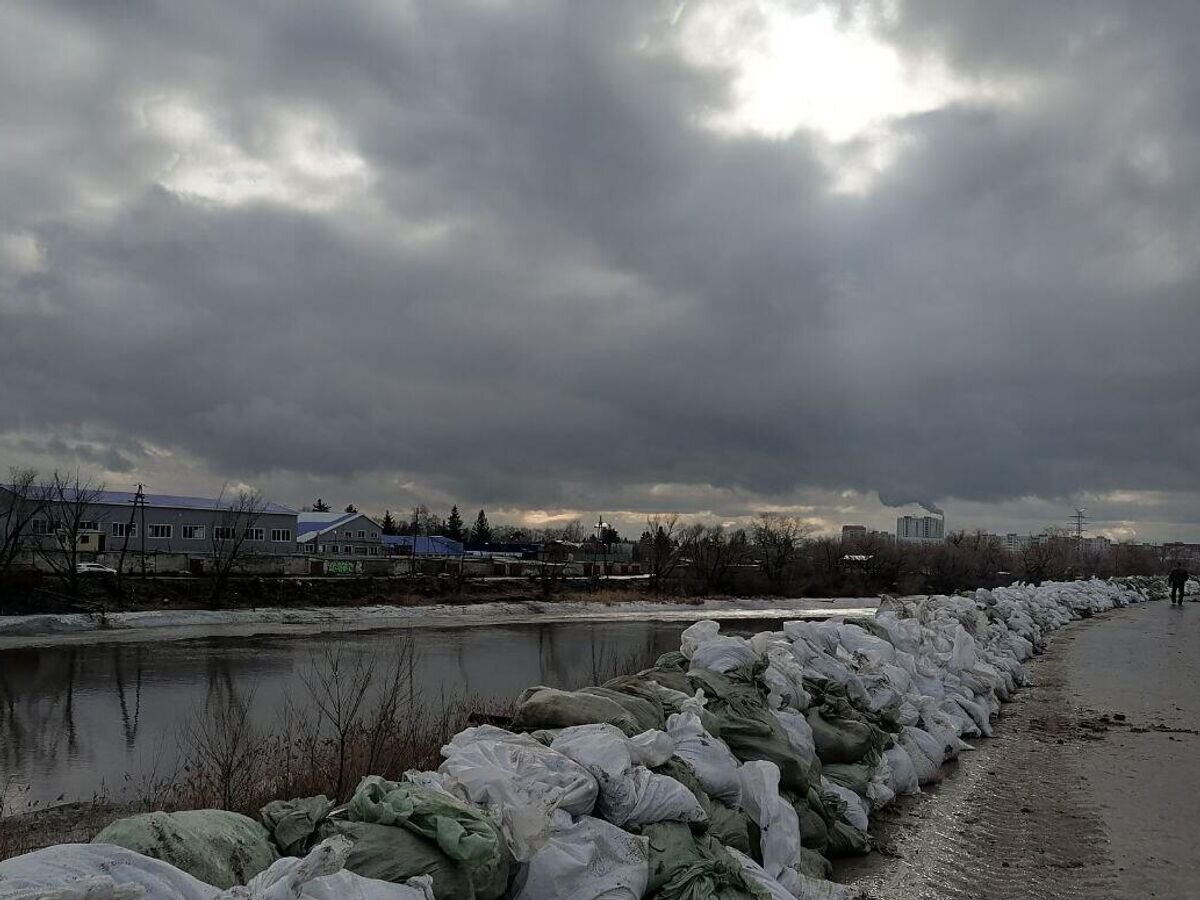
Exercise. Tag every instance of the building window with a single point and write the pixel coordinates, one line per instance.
(193, 532)
(84, 540)
(281, 535)
(309, 548)
(41, 527)
(320, 549)
(361, 551)
(374, 551)
(255, 534)
(374, 535)
(361, 535)
(223, 533)
(163, 532)
(348, 550)
(89, 525)
(124, 529)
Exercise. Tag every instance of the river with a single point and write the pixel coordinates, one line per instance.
(101, 717)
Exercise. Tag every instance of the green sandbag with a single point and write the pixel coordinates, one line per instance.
(854, 776)
(397, 854)
(814, 831)
(647, 713)
(846, 840)
(731, 827)
(839, 740)
(684, 867)
(219, 847)
(633, 686)
(675, 679)
(543, 707)
(748, 727)
(814, 865)
(292, 823)
(465, 834)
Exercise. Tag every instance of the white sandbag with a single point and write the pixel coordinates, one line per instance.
(319, 876)
(927, 771)
(857, 812)
(775, 817)
(97, 871)
(650, 748)
(800, 735)
(933, 747)
(629, 794)
(696, 634)
(586, 860)
(784, 678)
(710, 758)
(519, 780)
(723, 654)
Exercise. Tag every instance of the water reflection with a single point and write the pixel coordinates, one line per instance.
(79, 720)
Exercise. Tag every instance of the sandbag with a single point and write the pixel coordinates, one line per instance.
(219, 847)
(520, 780)
(839, 740)
(292, 823)
(748, 727)
(543, 707)
(464, 833)
(852, 808)
(629, 794)
(54, 868)
(795, 885)
(585, 860)
(709, 757)
(387, 853)
(777, 820)
(855, 776)
(320, 876)
(730, 826)
(904, 774)
(686, 867)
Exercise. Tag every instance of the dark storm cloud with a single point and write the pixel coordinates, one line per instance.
(540, 279)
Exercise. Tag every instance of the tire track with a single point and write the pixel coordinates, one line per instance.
(1009, 821)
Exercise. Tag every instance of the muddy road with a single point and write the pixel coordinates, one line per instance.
(1087, 790)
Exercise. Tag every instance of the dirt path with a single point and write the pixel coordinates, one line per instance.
(1087, 789)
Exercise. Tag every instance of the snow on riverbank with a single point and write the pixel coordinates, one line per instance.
(178, 624)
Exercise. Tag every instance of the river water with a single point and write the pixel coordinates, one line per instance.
(103, 717)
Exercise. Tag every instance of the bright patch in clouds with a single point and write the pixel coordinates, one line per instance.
(294, 159)
(804, 66)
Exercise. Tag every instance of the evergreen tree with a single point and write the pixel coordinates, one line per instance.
(454, 525)
(481, 533)
(388, 524)
(320, 506)
(351, 508)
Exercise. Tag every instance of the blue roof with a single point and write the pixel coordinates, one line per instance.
(168, 501)
(435, 545)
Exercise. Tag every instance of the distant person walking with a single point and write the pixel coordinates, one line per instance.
(1177, 580)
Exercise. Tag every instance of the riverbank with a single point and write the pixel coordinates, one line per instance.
(54, 629)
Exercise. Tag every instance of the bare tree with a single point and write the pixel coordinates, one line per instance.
(779, 540)
(232, 526)
(68, 502)
(711, 552)
(223, 748)
(21, 502)
(661, 547)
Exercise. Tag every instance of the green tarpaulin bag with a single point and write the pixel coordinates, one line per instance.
(292, 823)
(748, 727)
(219, 847)
(684, 867)
(464, 833)
(397, 854)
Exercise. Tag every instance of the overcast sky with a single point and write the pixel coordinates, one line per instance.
(562, 258)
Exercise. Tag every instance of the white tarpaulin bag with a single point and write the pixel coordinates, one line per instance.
(586, 860)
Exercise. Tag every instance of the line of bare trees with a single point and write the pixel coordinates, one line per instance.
(780, 554)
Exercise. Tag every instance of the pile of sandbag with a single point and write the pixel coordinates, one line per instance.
(733, 769)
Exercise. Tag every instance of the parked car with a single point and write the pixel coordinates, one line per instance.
(88, 568)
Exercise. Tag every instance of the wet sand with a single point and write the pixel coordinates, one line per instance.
(1087, 788)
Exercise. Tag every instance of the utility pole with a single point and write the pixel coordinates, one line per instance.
(139, 501)
(1079, 518)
